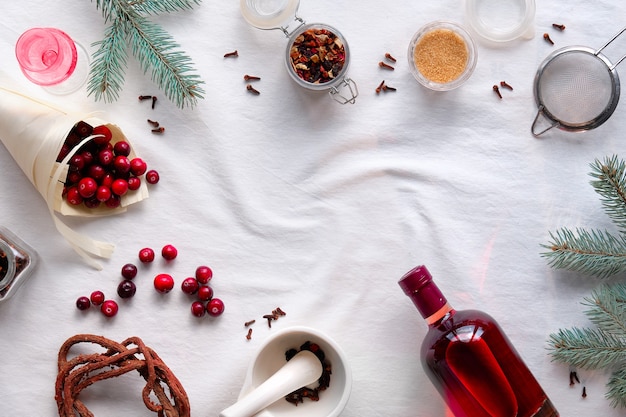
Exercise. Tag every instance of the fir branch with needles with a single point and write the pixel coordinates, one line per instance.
(154, 48)
(601, 254)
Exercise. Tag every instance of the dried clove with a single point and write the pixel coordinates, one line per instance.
(497, 90)
(388, 88)
(506, 85)
(158, 130)
(249, 323)
(154, 123)
(269, 318)
(154, 99)
(142, 98)
(380, 86)
(584, 395)
(389, 57)
(252, 90)
(251, 78)
(558, 26)
(231, 54)
(249, 335)
(385, 66)
(547, 38)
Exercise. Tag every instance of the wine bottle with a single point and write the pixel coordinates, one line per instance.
(470, 360)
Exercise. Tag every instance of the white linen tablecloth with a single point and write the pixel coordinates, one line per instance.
(318, 208)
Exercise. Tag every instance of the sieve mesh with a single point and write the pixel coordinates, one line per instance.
(576, 87)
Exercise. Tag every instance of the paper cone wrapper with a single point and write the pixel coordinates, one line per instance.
(33, 132)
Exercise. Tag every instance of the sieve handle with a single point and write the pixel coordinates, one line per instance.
(542, 113)
(608, 43)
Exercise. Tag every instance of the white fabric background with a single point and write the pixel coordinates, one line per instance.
(318, 208)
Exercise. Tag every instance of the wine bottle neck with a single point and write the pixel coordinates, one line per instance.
(427, 297)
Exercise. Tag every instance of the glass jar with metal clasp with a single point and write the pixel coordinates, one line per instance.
(317, 55)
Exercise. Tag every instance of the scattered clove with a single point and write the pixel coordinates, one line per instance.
(388, 88)
(142, 98)
(232, 54)
(547, 38)
(505, 85)
(385, 66)
(249, 323)
(249, 335)
(154, 99)
(158, 130)
(584, 395)
(389, 57)
(380, 86)
(251, 78)
(154, 123)
(497, 90)
(558, 26)
(252, 90)
(269, 318)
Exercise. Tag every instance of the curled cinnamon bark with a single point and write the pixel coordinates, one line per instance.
(79, 372)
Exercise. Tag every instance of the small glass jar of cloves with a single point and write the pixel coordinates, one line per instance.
(17, 262)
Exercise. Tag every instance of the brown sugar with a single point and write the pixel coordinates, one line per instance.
(441, 55)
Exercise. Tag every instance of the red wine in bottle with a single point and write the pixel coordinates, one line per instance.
(470, 360)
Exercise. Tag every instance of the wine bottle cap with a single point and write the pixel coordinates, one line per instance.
(415, 279)
(419, 286)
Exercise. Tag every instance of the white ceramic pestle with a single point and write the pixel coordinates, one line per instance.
(303, 369)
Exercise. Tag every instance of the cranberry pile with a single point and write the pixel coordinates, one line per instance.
(100, 172)
(197, 285)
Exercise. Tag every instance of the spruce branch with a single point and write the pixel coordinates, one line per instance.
(153, 47)
(617, 388)
(587, 348)
(610, 183)
(607, 309)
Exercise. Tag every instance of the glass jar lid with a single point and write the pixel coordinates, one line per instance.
(269, 14)
(501, 20)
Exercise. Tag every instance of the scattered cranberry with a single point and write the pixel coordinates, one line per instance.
(169, 252)
(126, 289)
(97, 298)
(106, 157)
(87, 187)
(109, 308)
(91, 202)
(113, 202)
(119, 187)
(152, 177)
(146, 255)
(138, 166)
(190, 286)
(105, 132)
(198, 309)
(163, 283)
(121, 164)
(83, 303)
(103, 193)
(205, 293)
(96, 172)
(87, 158)
(129, 271)
(204, 274)
(215, 307)
(107, 179)
(73, 177)
(77, 163)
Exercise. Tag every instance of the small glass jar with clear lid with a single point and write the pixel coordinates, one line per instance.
(317, 55)
(17, 262)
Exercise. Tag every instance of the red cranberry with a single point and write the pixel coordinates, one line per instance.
(107, 179)
(169, 252)
(77, 163)
(146, 255)
(113, 202)
(82, 129)
(121, 148)
(92, 202)
(73, 196)
(104, 135)
(129, 271)
(74, 176)
(103, 193)
(134, 183)
(119, 187)
(197, 309)
(163, 283)
(109, 308)
(121, 164)
(138, 166)
(215, 307)
(106, 157)
(205, 293)
(190, 286)
(87, 187)
(87, 158)
(97, 298)
(204, 274)
(83, 303)
(126, 289)
(152, 177)
(96, 172)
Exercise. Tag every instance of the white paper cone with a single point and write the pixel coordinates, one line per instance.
(33, 132)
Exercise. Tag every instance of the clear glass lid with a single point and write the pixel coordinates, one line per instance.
(269, 14)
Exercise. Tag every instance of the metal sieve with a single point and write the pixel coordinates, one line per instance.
(576, 89)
